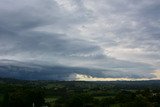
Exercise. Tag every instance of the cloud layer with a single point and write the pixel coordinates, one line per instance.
(120, 39)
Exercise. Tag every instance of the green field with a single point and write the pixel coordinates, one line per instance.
(19, 93)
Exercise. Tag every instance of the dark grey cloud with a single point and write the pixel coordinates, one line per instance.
(118, 39)
(21, 70)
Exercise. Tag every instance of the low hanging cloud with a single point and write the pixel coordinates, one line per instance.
(118, 39)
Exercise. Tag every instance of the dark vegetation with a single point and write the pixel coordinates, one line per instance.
(21, 93)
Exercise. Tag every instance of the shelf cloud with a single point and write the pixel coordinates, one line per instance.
(102, 38)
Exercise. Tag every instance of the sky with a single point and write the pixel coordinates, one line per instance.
(118, 38)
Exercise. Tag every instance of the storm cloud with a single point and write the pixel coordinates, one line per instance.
(102, 38)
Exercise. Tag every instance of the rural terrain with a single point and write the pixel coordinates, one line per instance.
(25, 93)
